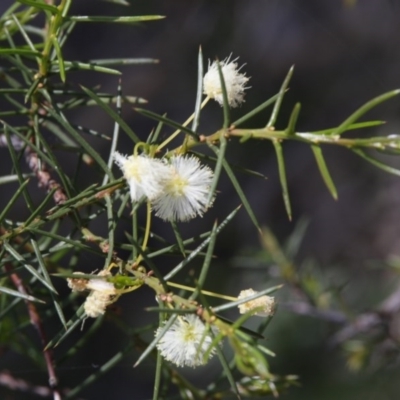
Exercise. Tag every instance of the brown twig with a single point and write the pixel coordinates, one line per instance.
(39, 168)
(385, 316)
(307, 309)
(8, 381)
(37, 323)
(44, 177)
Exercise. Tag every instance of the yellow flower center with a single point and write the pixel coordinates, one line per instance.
(176, 186)
(189, 335)
(132, 170)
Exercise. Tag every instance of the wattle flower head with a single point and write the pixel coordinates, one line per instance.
(143, 174)
(186, 341)
(185, 190)
(235, 82)
(265, 305)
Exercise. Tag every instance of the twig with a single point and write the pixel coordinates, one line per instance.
(37, 323)
(8, 381)
(303, 308)
(39, 168)
(366, 322)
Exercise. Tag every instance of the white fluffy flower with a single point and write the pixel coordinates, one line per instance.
(235, 82)
(185, 190)
(186, 342)
(143, 174)
(264, 304)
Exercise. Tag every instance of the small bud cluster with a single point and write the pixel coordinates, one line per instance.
(77, 284)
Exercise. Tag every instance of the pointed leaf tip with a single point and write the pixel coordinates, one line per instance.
(323, 169)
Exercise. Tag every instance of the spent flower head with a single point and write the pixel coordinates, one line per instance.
(143, 174)
(77, 284)
(265, 304)
(103, 293)
(186, 342)
(185, 190)
(235, 82)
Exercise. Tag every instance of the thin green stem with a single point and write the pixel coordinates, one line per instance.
(146, 233)
(205, 292)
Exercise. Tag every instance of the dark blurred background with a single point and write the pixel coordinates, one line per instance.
(344, 55)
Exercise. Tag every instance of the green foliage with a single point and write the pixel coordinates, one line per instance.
(48, 241)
